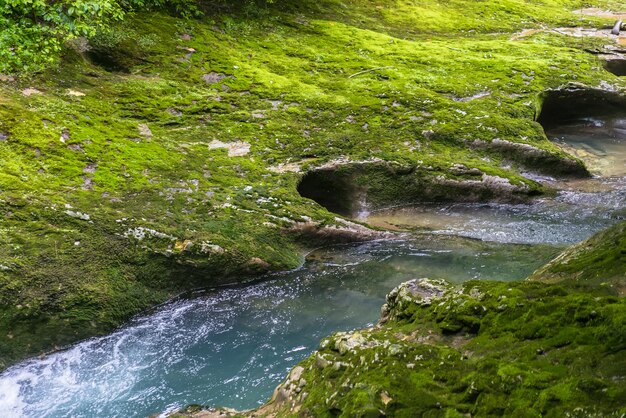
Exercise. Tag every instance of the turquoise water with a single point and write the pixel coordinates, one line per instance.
(231, 346)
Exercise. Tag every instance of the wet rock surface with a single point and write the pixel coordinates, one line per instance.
(616, 65)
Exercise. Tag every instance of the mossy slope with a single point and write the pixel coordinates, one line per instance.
(166, 157)
(598, 261)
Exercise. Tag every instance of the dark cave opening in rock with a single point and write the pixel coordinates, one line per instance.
(561, 106)
(589, 124)
(616, 66)
(118, 59)
(108, 60)
(334, 189)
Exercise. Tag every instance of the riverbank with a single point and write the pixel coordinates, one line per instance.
(552, 345)
(157, 162)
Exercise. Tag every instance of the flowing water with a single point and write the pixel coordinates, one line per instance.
(570, 217)
(231, 346)
(580, 208)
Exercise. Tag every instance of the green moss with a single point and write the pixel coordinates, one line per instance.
(598, 261)
(117, 151)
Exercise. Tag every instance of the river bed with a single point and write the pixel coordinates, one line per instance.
(231, 346)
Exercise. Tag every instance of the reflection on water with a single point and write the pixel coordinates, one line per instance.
(599, 141)
(572, 216)
(234, 345)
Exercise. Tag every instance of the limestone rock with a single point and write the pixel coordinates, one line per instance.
(417, 291)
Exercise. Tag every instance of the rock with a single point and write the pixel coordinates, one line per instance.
(478, 95)
(321, 362)
(75, 147)
(87, 183)
(395, 350)
(65, 135)
(340, 365)
(235, 149)
(74, 93)
(385, 398)
(351, 232)
(208, 248)
(296, 373)
(285, 168)
(497, 188)
(184, 245)
(76, 214)
(90, 168)
(140, 233)
(256, 264)
(428, 133)
(350, 342)
(616, 29)
(144, 130)
(275, 104)
(30, 91)
(280, 395)
(417, 291)
(188, 53)
(460, 169)
(533, 157)
(214, 77)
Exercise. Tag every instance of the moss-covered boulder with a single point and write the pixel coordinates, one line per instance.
(533, 348)
(599, 261)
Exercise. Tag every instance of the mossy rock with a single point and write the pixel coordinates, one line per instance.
(529, 348)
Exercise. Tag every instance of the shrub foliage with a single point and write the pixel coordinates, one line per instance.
(33, 32)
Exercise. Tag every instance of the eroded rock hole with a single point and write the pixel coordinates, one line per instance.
(333, 189)
(109, 59)
(616, 66)
(356, 190)
(590, 125)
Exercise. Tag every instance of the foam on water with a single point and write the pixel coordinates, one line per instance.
(232, 346)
